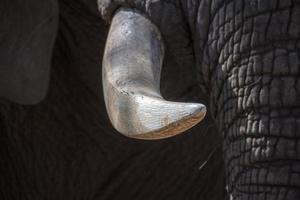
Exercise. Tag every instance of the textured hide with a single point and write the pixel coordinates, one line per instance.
(64, 147)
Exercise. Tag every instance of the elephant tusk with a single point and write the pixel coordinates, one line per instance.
(131, 82)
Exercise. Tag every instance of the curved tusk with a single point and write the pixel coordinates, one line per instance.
(131, 80)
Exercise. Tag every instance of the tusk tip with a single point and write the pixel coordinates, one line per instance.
(185, 115)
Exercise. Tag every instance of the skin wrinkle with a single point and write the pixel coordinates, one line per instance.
(234, 188)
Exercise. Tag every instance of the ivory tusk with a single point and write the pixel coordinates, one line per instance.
(131, 81)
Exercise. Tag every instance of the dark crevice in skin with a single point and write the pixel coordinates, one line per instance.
(290, 16)
(257, 110)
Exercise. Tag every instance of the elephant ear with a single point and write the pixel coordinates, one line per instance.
(27, 35)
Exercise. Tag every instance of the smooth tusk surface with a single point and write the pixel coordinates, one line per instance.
(131, 81)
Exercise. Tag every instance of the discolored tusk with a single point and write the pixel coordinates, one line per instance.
(131, 81)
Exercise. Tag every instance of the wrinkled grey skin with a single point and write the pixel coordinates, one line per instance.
(247, 54)
(247, 59)
(64, 147)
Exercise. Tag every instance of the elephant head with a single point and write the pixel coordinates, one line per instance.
(247, 55)
(247, 58)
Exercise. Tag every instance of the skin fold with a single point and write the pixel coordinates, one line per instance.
(64, 148)
(247, 55)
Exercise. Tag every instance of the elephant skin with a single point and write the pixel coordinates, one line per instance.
(247, 55)
(64, 148)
